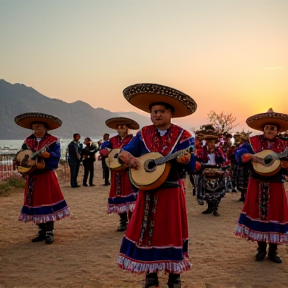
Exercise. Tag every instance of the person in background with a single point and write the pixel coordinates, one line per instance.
(264, 216)
(88, 156)
(43, 200)
(74, 159)
(211, 185)
(104, 154)
(122, 195)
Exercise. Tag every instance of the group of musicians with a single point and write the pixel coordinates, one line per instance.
(147, 187)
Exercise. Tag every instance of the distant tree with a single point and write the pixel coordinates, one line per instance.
(222, 122)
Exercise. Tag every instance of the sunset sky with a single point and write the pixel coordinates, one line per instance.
(228, 55)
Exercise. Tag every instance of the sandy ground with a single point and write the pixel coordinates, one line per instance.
(86, 247)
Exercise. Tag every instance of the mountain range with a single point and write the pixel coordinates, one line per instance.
(77, 117)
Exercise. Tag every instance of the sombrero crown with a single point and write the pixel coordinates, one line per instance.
(27, 119)
(144, 94)
(258, 121)
(115, 121)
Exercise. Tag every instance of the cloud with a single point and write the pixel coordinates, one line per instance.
(273, 68)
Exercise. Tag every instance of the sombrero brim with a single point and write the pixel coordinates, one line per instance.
(27, 119)
(115, 121)
(258, 121)
(211, 137)
(144, 94)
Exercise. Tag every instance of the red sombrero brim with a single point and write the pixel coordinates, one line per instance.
(258, 121)
(27, 119)
(144, 94)
(115, 121)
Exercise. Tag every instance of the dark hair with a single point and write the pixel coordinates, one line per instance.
(39, 122)
(106, 134)
(75, 135)
(270, 123)
(166, 105)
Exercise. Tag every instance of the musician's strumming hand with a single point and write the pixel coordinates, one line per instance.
(247, 157)
(128, 159)
(284, 164)
(45, 154)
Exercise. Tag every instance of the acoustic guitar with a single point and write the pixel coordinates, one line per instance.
(27, 160)
(153, 169)
(267, 162)
(112, 160)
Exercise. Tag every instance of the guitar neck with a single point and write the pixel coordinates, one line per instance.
(283, 154)
(170, 157)
(35, 154)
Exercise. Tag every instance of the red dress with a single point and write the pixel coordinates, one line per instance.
(122, 196)
(264, 215)
(43, 199)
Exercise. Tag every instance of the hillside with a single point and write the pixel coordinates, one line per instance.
(78, 117)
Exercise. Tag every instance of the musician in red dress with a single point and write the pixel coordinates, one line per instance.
(43, 199)
(122, 196)
(156, 239)
(264, 216)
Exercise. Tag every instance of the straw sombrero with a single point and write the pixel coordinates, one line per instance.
(209, 132)
(144, 94)
(115, 121)
(27, 119)
(258, 121)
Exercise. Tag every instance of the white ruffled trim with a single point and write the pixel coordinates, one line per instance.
(45, 218)
(153, 267)
(271, 237)
(121, 208)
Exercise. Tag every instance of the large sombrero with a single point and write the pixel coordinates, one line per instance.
(144, 94)
(258, 121)
(115, 121)
(209, 132)
(27, 119)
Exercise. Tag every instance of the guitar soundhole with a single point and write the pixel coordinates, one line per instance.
(150, 165)
(116, 155)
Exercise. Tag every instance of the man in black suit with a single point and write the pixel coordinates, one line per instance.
(74, 159)
(88, 155)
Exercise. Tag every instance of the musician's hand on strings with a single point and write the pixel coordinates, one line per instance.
(45, 154)
(184, 159)
(198, 166)
(247, 157)
(284, 164)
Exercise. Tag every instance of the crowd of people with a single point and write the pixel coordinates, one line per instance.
(146, 175)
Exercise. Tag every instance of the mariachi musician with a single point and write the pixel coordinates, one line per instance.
(156, 239)
(264, 216)
(241, 171)
(122, 196)
(43, 199)
(211, 185)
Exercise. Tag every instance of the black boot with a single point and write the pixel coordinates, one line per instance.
(49, 237)
(272, 253)
(209, 210)
(215, 212)
(49, 232)
(123, 222)
(41, 233)
(151, 280)
(174, 281)
(260, 256)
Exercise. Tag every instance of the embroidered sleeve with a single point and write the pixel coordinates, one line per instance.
(245, 148)
(134, 146)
